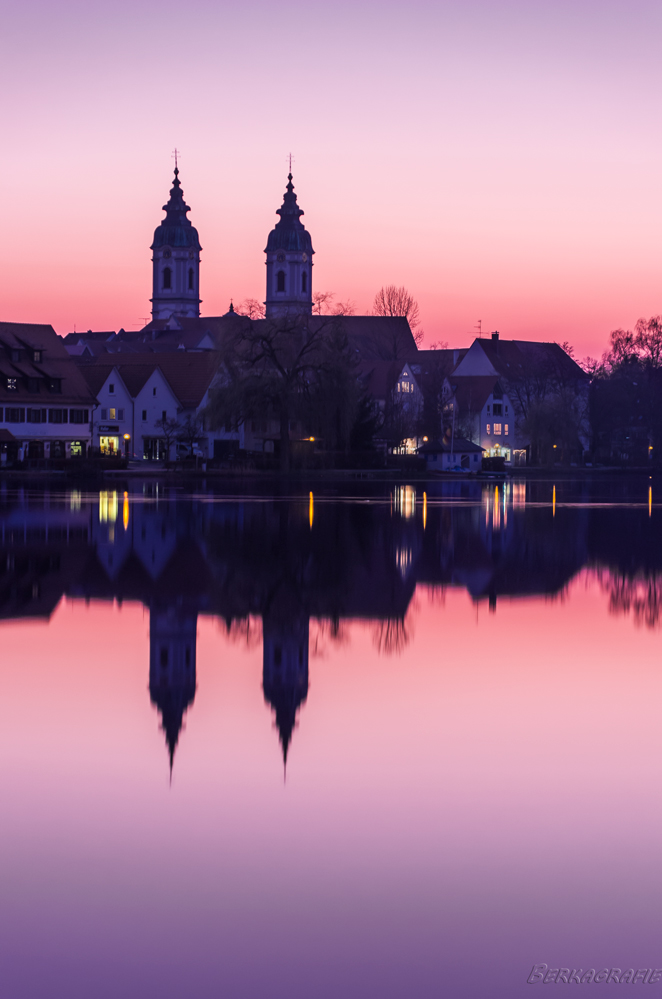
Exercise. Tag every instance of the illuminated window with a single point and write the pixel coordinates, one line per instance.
(497, 428)
(12, 384)
(505, 429)
(488, 428)
(112, 414)
(280, 281)
(36, 356)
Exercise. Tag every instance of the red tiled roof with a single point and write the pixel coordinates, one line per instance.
(189, 375)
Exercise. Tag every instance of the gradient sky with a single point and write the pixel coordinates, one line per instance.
(500, 159)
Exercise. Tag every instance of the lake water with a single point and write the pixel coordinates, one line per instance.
(374, 742)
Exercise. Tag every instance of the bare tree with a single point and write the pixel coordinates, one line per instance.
(252, 308)
(322, 302)
(393, 301)
(190, 431)
(169, 432)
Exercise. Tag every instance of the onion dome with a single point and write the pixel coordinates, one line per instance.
(176, 230)
(289, 233)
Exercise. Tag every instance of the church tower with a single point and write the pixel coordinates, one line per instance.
(176, 261)
(172, 683)
(289, 262)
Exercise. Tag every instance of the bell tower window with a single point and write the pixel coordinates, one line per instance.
(167, 278)
(304, 282)
(280, 281)
(190, 279)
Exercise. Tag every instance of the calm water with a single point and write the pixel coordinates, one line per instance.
(377, 744)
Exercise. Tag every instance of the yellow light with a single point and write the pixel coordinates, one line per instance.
(425, 440)
(425, 508)
(650, 501)
(311, 511)
(311, 438)
(125, 511)
(554, 499)
(127, 437)
(108, 506)
(555, 445)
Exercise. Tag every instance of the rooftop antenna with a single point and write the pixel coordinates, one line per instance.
(478, 327)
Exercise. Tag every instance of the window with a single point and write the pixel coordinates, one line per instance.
(506, 411)
(33, 384)
(78, 416)
(475, 457)
(304, 282)
(154, 390)
(120, 414)
(111, 388)
(497, 428)
(488, 409)
(36, 356)
(58, 415)
(34, 416)
(12, 384)
(496, 409)
(167, 254)
(16, 355)
(190, 279)
(112, 414)
(505, 429)
(15, 415)
(280, 281)
(164, 415)
(0, 414)
(144, 415)
(487, 428)
(167, 278)
(104, 414)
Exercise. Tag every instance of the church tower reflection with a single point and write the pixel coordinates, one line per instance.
(172, 683)
(285, 670)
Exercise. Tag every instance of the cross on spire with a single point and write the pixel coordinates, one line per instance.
(176, 154)
(290, 159)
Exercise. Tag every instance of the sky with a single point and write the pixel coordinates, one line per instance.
(499, 159)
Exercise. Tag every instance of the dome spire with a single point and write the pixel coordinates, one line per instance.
(289, 260)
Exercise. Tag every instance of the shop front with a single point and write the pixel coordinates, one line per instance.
(109, 440)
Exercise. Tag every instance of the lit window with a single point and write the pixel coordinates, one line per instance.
(112, 414)
(505, 429)
(488, 428)
(497, 428)
(12, 384)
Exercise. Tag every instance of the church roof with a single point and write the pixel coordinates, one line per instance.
(289, 233)
(176, 230)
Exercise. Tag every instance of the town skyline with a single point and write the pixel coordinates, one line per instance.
(523, 193)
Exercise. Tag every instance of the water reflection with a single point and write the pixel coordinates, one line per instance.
(287, 561)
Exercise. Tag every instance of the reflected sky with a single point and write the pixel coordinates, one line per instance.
(392, 741)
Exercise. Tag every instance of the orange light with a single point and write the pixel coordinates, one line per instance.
(425, 440)
(127, 437)
(311, 511)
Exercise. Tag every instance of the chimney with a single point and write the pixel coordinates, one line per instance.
(495, 336)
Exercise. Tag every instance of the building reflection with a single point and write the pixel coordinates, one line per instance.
(287, 562)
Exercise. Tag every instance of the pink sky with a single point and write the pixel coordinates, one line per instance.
(501, 160)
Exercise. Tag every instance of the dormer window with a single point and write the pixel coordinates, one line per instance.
(167, 278)
(36, 356)
(280, 281)
(16, 356)
(12, 384)
(33, 384)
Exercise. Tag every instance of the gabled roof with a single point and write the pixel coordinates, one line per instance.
(189, 375)
(516, 358)
(445, 359)
(55, 363)
(460, 446)
(472, 391)
(379, 377)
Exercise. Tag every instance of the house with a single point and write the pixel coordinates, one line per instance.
(137, 392)
(45, 403)
(524, 374)
(456, 452)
